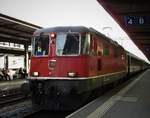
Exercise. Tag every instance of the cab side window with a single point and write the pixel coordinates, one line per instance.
(85, 44)
(106, 50)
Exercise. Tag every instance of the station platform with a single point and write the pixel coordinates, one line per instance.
(131, 101)
(7, 85)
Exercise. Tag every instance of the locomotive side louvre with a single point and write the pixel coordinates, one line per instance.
(112, 59)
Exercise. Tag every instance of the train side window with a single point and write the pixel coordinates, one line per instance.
(106, 50)
(85, 44)
(93, 46)
(89, 45)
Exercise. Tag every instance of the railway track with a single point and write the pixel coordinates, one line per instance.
(12, 96)
(49, 114)
(18, 110)
(14, 103)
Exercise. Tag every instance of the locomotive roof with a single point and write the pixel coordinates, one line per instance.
(75, 29)
(64, 29)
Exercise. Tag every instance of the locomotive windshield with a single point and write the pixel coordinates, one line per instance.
(41, 45)
(67, 44)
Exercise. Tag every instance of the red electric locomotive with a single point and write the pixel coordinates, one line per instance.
(69, 63)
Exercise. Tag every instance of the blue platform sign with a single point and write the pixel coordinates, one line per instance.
(135, 20)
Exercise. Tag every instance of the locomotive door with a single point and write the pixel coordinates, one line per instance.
(96, 52)
(99, 50)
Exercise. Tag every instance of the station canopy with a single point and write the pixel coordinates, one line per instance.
(16, 31)
(134, 17)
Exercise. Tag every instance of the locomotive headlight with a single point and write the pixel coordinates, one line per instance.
(72, 74)
(35, 74)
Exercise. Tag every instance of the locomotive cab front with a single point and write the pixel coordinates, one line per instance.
(59, 54)
(59, 66)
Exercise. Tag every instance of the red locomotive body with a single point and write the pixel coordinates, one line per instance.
(70, 61)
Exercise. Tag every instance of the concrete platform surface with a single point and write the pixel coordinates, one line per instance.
(132, 101)
(135, 103)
